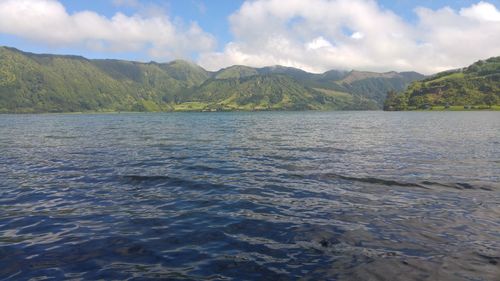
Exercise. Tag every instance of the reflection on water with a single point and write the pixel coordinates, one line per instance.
(263, 196)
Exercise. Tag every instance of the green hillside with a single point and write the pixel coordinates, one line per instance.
(236, 71)
(361, 84)
(473, 87)
(47, 83)
(271, 92)
(33, 83)
(375, 85)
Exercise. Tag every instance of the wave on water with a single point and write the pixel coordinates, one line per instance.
(254, 196)
(425, 184)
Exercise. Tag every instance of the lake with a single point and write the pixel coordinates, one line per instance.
(251, 196)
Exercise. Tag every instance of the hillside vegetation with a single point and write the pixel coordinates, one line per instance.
(33, 83)
(473, 87)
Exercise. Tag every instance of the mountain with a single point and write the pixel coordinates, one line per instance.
(49, 83)
(32, 83)
(475, 86)
(376, 85)
(272, 92)
(236, 71)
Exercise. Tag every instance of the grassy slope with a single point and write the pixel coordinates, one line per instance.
(474, 87)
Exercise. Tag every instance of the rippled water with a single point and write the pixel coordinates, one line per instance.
(253, 196)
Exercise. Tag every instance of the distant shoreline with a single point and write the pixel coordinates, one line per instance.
(174, 111)
(434, 109)
(456, 108)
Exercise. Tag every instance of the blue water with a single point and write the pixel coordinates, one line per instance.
(251, 196)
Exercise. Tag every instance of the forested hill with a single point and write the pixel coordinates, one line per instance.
(476, 86)
(32, 83)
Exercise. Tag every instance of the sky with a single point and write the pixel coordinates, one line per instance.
(427, 36)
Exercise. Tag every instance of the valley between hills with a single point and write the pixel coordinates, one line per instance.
(44, 83)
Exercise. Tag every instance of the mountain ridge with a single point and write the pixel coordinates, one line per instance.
(32, 83)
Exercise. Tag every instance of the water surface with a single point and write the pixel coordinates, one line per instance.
(251, 196)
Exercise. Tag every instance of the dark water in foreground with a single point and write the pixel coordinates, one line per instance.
(251, 196)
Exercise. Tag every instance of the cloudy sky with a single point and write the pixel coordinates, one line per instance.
(316, 35)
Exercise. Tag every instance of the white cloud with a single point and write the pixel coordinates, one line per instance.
(318, 35)
(48, 22)
(315, 35)
(319, 43)
(482, 11)
(357, 35)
